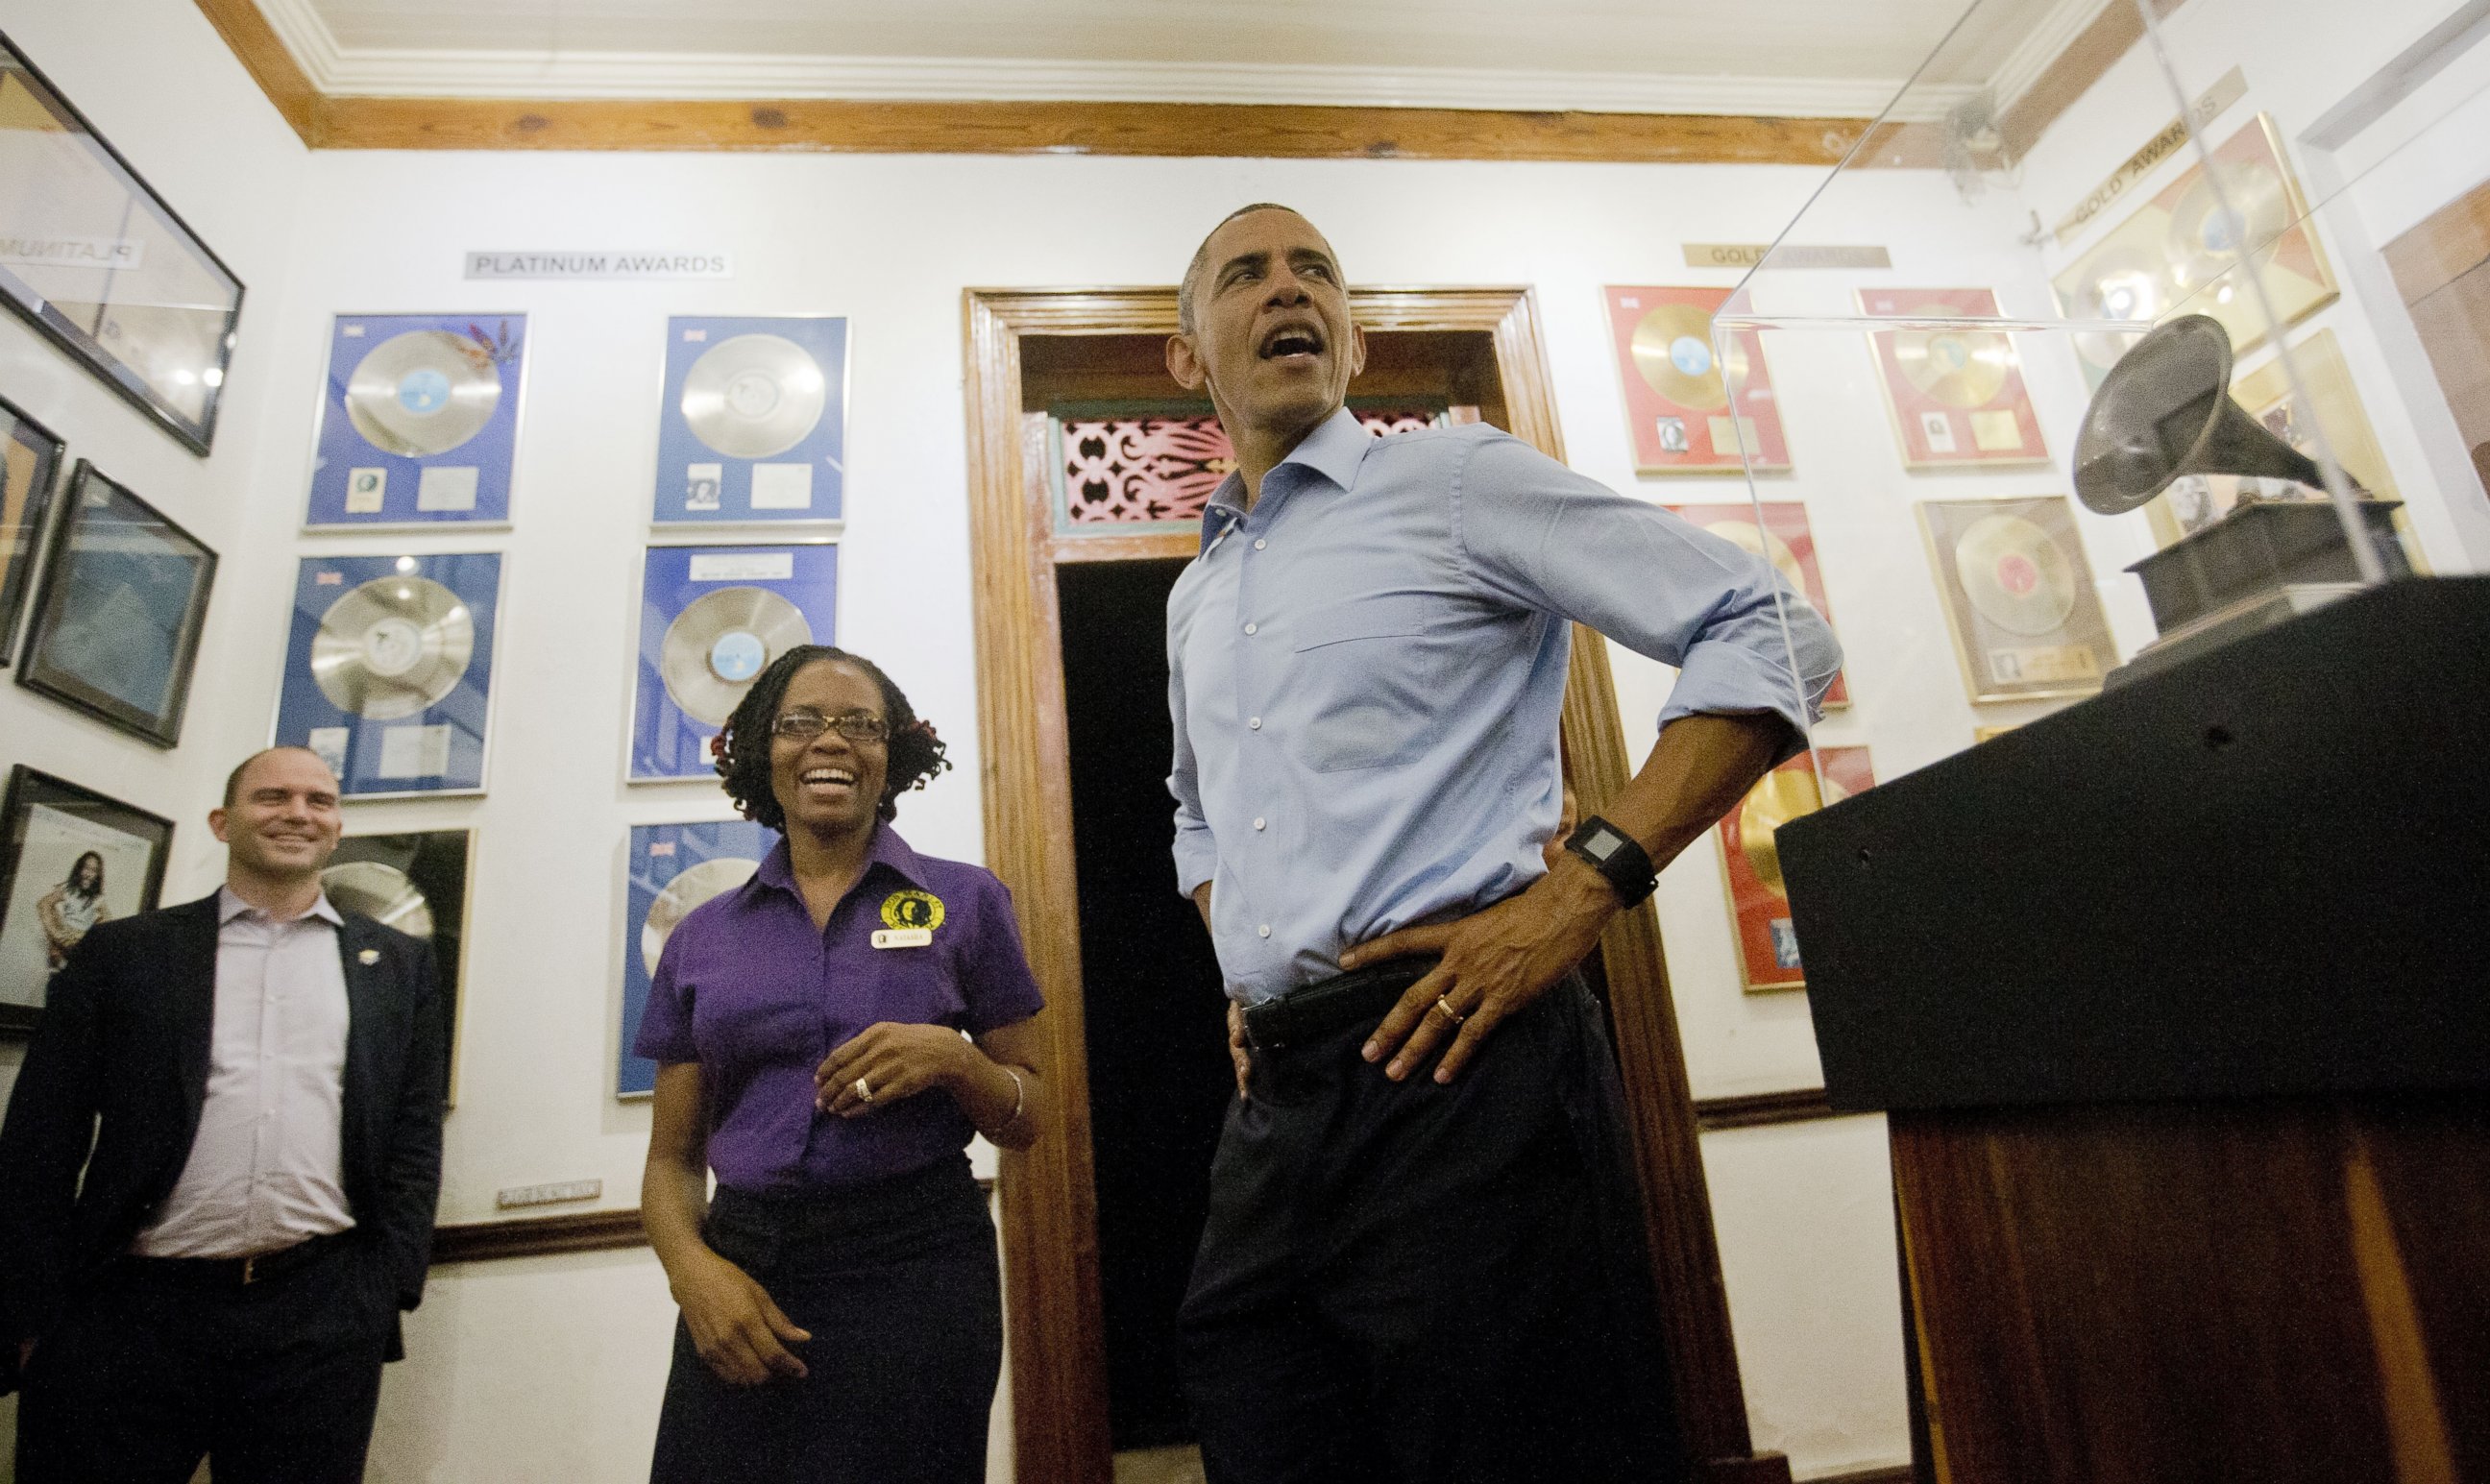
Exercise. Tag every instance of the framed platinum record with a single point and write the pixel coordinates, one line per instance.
(711, 618)
(93, 258)
(753, 426)
(417, 884)
(419, 421)
(388, 670)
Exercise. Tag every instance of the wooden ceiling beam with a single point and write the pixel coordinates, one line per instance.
(254, 43)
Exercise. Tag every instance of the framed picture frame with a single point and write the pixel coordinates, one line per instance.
(70, 857)
(103, 268)
(711, 618)
(1759, 909)
(1678, 390)
(752, 424)
(124, 596)
(673, 869)
(32, 470)
(389, 671)
(2179, 253)
(2018, 597)
(1956, 393)
(418, 882)
(419, 422)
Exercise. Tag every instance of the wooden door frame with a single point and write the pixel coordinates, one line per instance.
(1047, 1197)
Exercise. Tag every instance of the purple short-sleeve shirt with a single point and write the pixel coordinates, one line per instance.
(752, 992)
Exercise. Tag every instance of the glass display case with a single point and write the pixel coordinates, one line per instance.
(2124, 332)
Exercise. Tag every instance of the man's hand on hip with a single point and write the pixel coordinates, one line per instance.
(1496, 963)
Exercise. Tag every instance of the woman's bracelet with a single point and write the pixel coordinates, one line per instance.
(1020, 1097)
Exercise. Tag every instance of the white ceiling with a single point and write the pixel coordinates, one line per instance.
(1788, 57)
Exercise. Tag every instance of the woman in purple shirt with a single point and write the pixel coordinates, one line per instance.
(827, 1037)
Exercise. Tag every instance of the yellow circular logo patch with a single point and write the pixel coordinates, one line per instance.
(911, 908)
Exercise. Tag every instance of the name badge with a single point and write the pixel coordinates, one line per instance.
(902, 937)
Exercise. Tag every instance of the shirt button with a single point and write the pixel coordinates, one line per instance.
(1255, 722)
(1265, 930)
(1257, 544)
(1249, 628)
(1258, 822)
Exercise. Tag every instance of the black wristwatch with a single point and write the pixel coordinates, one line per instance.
(1614, 854)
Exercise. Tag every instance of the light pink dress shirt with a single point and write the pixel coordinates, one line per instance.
(263, 1172)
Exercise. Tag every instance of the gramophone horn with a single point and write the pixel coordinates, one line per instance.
(2165, 411)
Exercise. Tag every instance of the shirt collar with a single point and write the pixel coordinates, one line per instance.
(230, 907)
(778, 867)
(1333, 450)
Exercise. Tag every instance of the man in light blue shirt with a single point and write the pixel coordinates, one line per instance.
(1435, 1278)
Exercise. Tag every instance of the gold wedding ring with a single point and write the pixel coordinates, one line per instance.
(1444, 1007)
(863, 1089)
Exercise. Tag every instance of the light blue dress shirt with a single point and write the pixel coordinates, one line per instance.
(1366, 672)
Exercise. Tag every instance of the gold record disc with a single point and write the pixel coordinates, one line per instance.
(422, 392)
(1778, 798)
(1672, 349)
(754, 396)
(717, 645)
(2122, 283)
(1958, 368)
(696, 885)
(1763, 544)
(392, 647)
(380, 892)
(2015, 574)
(2204, 241)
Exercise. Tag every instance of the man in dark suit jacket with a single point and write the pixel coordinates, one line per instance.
(253, 1085)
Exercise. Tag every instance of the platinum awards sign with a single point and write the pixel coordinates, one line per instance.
(591, 264)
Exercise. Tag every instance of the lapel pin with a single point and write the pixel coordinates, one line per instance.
(368, 956)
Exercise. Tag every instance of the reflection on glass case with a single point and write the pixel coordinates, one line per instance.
(2181, 338)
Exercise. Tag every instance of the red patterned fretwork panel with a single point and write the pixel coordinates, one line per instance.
(1143, 469)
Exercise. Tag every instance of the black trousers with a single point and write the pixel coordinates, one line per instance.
(273, 1384)
(898, 1284)
(1409, 1282)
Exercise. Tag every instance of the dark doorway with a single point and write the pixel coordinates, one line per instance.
(1159, 1078)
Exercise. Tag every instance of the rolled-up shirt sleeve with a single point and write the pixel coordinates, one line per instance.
(1743, 641)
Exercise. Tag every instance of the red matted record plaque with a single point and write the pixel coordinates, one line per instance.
(1678, 391)
(1956, 395)
(1786, 538)
(1768, 957)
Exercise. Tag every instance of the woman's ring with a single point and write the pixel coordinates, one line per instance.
(1444, 1007)
(863, 1091)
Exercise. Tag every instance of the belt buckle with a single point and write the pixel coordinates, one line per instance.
(250, 1269)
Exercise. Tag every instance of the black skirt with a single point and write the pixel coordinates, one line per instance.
(897, 1283)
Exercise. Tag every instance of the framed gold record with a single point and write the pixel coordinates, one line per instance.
(1954, 388)
(1679, 379)
(2182, 254)
(2018, 597)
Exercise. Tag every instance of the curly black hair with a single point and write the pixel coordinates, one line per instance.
(742, 749)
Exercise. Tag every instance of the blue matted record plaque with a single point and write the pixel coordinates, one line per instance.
(419, 420)
(388, 673)
(753, 427)
(712, 618)
(674, 868)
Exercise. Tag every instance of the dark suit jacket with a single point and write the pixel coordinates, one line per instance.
(119, 1065)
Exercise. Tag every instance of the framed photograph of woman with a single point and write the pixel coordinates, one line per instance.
(30, 465)
(124, 596)
(70, 857)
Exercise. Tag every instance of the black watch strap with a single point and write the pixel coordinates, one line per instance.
(1614, 854)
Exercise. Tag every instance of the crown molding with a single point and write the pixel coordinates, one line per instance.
(337, 71)
(2041, 47)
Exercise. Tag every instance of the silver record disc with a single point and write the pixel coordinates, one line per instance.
(695, 885)
(422, 392)
(754, 396)
(380, 892)
(715, 646)
(392, 647)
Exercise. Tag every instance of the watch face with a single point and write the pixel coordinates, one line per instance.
(1603, 844)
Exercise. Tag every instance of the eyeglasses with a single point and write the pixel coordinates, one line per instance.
(854, 726)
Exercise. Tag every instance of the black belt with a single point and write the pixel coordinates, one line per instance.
(230, 1272)
(1327, 1004)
